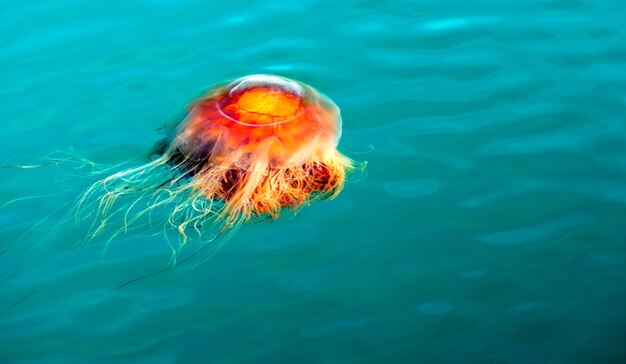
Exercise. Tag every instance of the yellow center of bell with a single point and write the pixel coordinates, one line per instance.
(275, 104)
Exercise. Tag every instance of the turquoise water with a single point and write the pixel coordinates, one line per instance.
(489, 227)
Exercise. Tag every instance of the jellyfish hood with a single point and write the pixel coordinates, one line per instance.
(260, 118)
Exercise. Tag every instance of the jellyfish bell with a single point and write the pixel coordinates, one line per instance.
(247, 149)
(270, 115)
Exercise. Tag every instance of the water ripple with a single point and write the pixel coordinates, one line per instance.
(492, 206)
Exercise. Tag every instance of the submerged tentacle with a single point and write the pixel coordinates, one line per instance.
(131, 196)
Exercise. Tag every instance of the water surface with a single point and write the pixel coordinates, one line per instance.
(489, 227)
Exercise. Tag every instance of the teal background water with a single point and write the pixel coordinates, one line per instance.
(489, 227)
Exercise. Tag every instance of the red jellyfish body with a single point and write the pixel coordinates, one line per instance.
(250, 148)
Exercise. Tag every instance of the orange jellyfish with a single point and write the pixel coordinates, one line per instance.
(247, 149)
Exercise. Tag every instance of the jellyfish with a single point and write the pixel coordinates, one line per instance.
(248, 150)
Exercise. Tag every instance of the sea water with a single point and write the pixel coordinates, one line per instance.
(488, 228)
